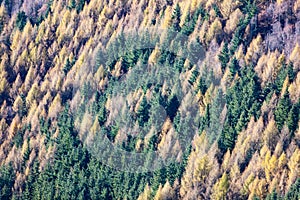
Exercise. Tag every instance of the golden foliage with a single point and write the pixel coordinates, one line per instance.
(270, 135)
(227, 6)
(146, 194)
(55, 106)
(221, 187)
(294, 166)
(254, 50)
(294, 89)
(294, 57)
(233, 21)
(214, 30)
(297, 6)
(202, 169)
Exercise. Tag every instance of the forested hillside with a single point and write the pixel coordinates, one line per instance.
(150, 99)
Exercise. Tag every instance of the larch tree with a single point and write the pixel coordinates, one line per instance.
(221, 187)
(227, 6)
(254, 51)
(232, 22)
(214, 31)
(294, 57)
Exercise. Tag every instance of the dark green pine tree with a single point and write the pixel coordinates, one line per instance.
(290, 72)
(273, 196)
(21, 20)
(230, 137)
(172, 106)
(224, 57)
(31, 179)
(143, 112)
(293, 118)
(202, 86)
(7, 179)
(72, 4)
(23, 111)
(189, 25)
(237, 37)
(282, 110)
(176, 19)
(294, 191)
(129, 60)
(193, 77)
(67, 66)
(233, 67)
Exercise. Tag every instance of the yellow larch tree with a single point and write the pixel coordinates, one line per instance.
(254, 50)
(294, 89)
(227, 6)
(233, 21)
(214, 31)
(55, 107)
(294, 167)
(270, 135)
(146, 194)
(221, 187)
(297, 6)
(295, 58)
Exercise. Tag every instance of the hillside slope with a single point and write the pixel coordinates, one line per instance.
(150, 99)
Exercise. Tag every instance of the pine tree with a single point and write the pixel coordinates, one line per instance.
(293, 118)
(224, 57)
(67, 66)
(188, 25)
(233, 67)
(143, 112)
(21, 20)
(176, 19)
(72, 4)
(282, 110)
(172, 107)
(7, 179)
(294, 191)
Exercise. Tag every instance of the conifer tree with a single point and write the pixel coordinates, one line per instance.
(21, 20)
(224, 56)
(143, 112)
(293, 118)
(282, 110)
(176, 18)
(220, 189)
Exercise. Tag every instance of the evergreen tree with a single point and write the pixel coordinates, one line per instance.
(176, 18)
(193, 77)
(21, 20)
(233, 67)
(294, 191)
(143, 112)
(67, 66)
(72, 4)
(224, 57)
(282, 111)
(172, 107)
(189, 25)
(7, 179)
(293, 118)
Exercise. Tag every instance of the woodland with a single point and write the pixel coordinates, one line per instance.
(215, 84)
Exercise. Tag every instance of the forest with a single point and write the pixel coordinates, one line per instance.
(150, 99)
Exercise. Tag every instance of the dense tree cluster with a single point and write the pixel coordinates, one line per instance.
(215, 84)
